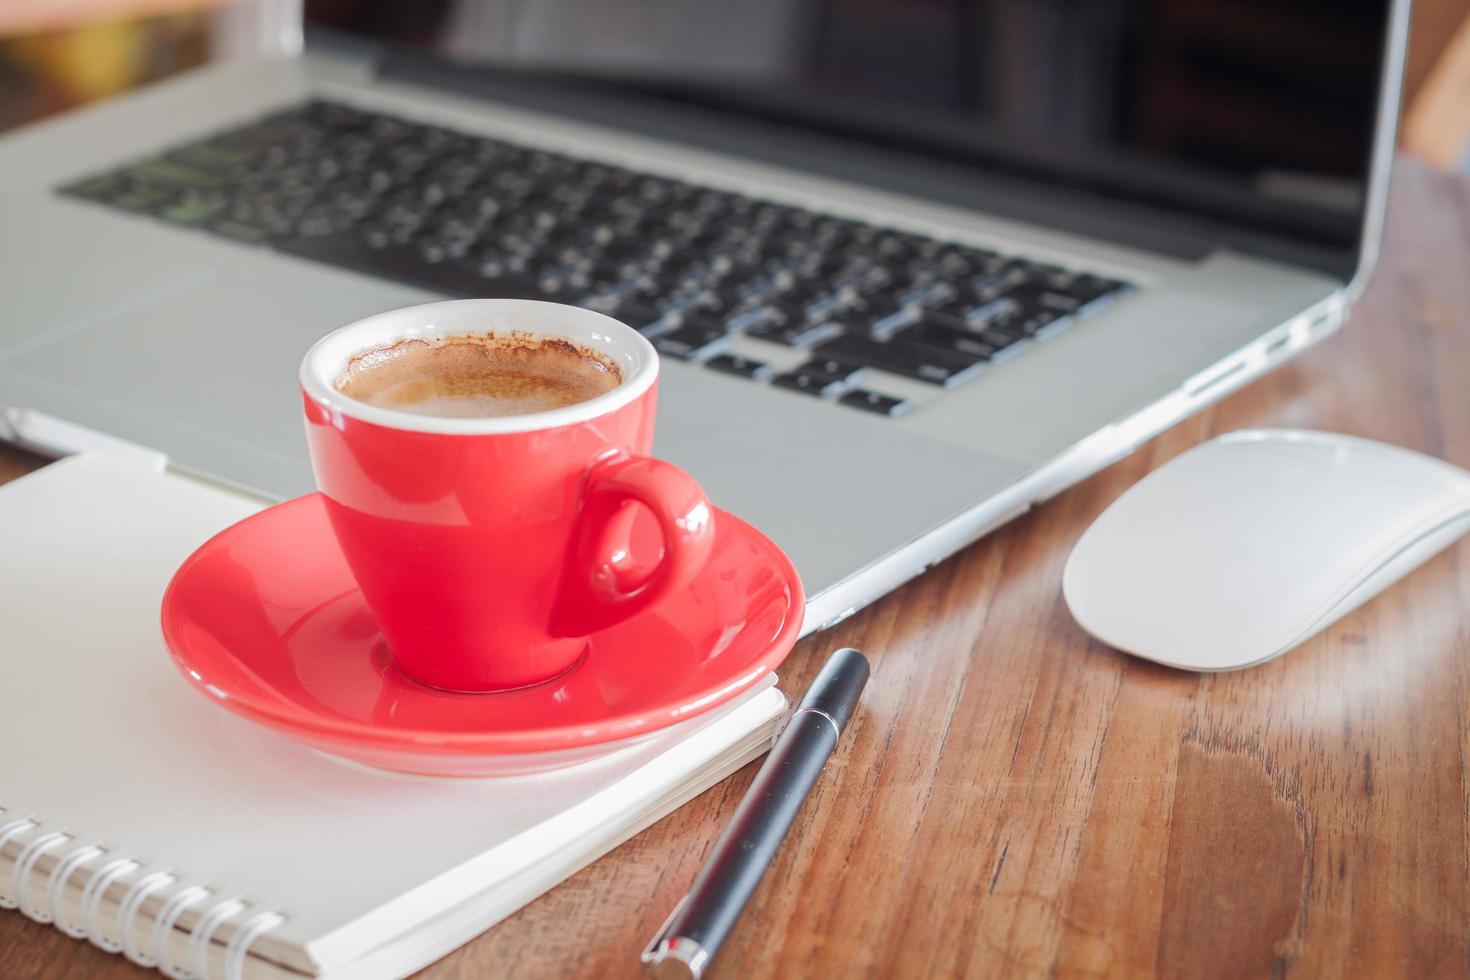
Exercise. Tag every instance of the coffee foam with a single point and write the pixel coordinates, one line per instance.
(479, 376)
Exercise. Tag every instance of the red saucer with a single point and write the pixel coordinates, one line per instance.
(266, 619)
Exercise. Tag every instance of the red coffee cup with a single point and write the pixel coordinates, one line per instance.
(490, 549)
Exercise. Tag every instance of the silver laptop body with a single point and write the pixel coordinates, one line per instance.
(171, 344)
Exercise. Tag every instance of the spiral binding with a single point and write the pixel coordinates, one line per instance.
(72, 854)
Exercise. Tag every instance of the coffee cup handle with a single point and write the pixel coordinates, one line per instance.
(596, 592)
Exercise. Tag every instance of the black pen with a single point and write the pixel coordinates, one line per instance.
(700, 922)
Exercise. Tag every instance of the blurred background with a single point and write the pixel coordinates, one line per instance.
(57, 54)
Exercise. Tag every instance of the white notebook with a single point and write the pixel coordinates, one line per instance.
(148, 814)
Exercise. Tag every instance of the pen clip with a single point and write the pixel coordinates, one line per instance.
(651, 949)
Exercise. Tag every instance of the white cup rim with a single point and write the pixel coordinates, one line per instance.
(328, 357)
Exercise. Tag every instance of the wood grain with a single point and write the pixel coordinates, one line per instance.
(1016, 800)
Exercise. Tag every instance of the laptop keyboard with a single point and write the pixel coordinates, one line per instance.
(691, 267)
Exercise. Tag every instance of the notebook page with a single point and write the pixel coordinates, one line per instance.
(746, 728)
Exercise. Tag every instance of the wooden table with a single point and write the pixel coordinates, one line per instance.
(1014, 799)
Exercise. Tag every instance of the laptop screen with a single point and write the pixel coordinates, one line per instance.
(1252, 114)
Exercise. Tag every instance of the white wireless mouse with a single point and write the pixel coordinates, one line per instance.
(1241, 548)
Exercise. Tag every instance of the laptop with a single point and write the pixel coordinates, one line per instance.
(912, 268)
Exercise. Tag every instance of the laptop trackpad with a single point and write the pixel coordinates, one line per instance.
(69, 267)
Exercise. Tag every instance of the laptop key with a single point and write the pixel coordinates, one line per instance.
(880, 315)
(1054, 326)
(719, 302)
(945, 368)
(1034, 322)
(831, 367)
(794, 334)
(950, 338)
(639, 316)
(691, 341)
(241, 231)
(810, 384)
(744, 367)
(103, 188)
(879, 306)
(995, 279)
(1038, 296)
(660, 325)
(946, 320)
(144, 198)
(1091, 292)
(1006, 343)
(782, 322)
(617, 305)
(872, 401)
(192, 211)
(821, 377)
